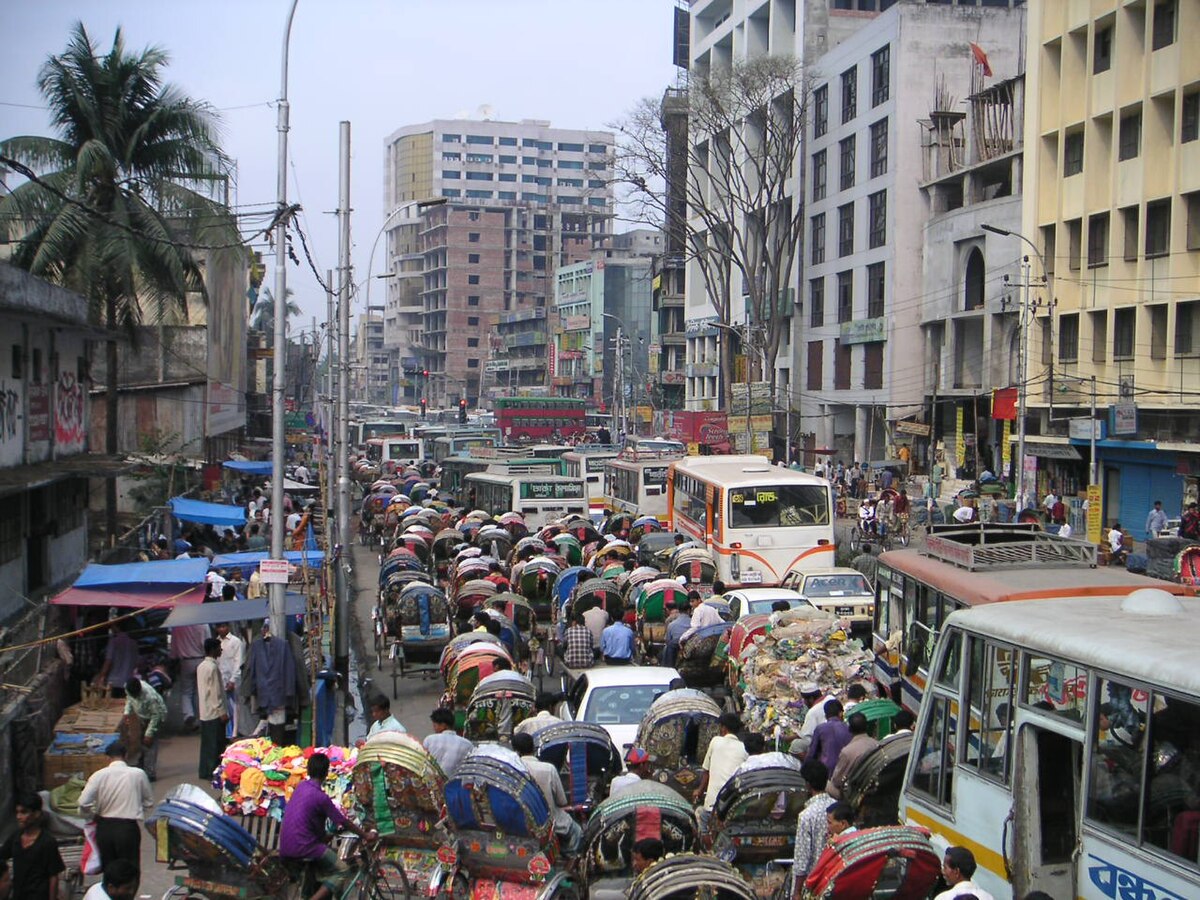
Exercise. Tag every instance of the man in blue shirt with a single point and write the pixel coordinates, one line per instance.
(616, 644)
(680, 623)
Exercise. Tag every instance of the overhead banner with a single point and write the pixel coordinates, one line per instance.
(960, 444)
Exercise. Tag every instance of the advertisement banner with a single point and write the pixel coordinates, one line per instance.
(1006, 448)
(960, 444)
(1095, 513)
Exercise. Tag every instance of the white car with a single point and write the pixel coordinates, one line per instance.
(616, 698)
(749, 601)
(843, 591)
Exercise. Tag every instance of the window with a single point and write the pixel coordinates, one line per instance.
(846, 229)
(597, 201)
(18, 361)
(1099, 323)
(506, 195)
(816, 302)
(1192, 208)
(816, 358)
(473, 300)
(472, 342)
(1102, 49)
(571, 164)
(1049, 245)
(845, 296)
(875, 290)
(508, 142)
(596, 183)
(472, 279)
(472, 321)
(479, 157)
(472, 363)
(817, 241)
(1073, 154)
(818, 175)
(597, 165)
(481, 139)
(841, 365)
(849, 94)
(479, 176)
(473, 237)
(846, 155)
(1068, 338)
(881, 75)
(778, 506)
(472, 257)
(1187, 328)
(451, 192)
(873, 366)
(1190, 124)
(879, 148)
(529, 160)
(570, 182)
(1158, 331)
(1164, 24)
(1074, 243)
(597, 148)
(1158, 228)
(1129, 222)
(529, 179)
(480, 195)
(990, 697)
(820, 110)
(877, 219)
(570, 148)
(451, 138)
(451, 157)
(507, 176)
(1097, 253)
(935, 749)
(506, 160)
(1124, 329)
(451, 174)
(1131, 135)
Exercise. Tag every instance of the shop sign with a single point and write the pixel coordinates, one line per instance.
(863, 331)
(914, 428)
(1123, 418)
(702, 327)
(273, 571)
(1051, 451)
(1078, 429)
(576, 323)
(1095, 513)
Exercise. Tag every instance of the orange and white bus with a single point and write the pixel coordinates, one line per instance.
(757, 520)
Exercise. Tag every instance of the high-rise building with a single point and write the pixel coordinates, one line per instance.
(473, 275)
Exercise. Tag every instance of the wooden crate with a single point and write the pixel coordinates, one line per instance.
(57, 768)
(102, 719)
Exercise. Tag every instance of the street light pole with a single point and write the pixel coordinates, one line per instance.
(277, 592)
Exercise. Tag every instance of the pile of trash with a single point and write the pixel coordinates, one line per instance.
(257, 777)
(798, 647)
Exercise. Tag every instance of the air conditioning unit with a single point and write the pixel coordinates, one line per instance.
(1126, 389)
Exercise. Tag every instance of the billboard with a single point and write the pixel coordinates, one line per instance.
(225, 278)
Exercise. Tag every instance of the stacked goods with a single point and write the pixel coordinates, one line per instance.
(257, 778)
(798, 647)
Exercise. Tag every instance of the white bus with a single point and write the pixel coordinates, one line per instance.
(539, 498)
(1077, 769)
(757, 520)
(636, 483)
(588, 463)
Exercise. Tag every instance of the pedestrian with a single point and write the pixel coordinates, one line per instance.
(215, 582)
(120, 659)
(859, 746)
(119, 882)
(958, 867)
(936, 473)
(544, 704)
(840, 819)
(812, 828)
(637, 768)
(214, 715)
(855, 694)
(187, 649)
(725, 753)
(579, 649)
(830, 736)
(1189, 524)
(679, 624)
(233, 655)
(381, 717)
(1156, 520)
(548, 779)
(645, 853)
(147, 705)
(36, 862)
(116, 798)
(616, 644)
(596, 620)
(814, 700)
(255, 540)
(444, 745)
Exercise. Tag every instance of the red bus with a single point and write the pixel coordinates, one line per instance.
(539, 418)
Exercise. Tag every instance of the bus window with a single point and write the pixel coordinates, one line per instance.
(935, 753)
(989, 719)
(1115, 779)
(1054, 686)
(1171, 818)
(948, 672)
(778, 505)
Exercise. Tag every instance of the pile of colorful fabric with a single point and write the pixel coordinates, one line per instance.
(794, 651)
(256, 777)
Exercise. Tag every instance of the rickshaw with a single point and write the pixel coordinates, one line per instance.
(675, 732)
(517, 609)
(754, 819)
(399, 789)
(399, 560)
(495, 541)
(415, 544)
(419, 621)
(510, 636)
(655, 550)
(471, 595)
(619, 524)
(698, 662)
(514, 524)
(686, 876)
(567, 579)
(873, 784)
(535, 582)
(444, 543)
(631, 583)
(503, 841)
(457, 644)
(897, 862)
(643, 526)
(568, 548)
(596, 592)
(499, 703)
(696, 565)
(470, 667)
(646, 810)
(653, 602)
(526, 548)
(389, 594)
(586, 759)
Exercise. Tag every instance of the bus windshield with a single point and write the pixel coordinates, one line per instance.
(778, 506)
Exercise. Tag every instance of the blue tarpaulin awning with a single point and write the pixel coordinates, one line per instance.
(251, 558)
(146, 574)
(233, 611)
(249, 467)
(208, 513)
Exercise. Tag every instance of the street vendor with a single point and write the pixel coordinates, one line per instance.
(120, 659)
(147, 705)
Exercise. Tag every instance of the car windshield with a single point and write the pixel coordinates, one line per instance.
(778, 506)
(622, 705)
(764, 606)
(836, 586)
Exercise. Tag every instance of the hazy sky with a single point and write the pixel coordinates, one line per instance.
(379, 65)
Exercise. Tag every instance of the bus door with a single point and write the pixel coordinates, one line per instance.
(1041, 839)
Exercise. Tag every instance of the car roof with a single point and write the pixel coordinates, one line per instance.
(765, 594)
(616, 676)
(832, 570)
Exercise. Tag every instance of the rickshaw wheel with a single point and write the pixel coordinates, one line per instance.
(387, 881)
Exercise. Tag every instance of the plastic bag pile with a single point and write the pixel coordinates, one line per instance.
(256, 777)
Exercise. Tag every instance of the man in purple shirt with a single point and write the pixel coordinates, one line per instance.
(830, 736)
(302, 835)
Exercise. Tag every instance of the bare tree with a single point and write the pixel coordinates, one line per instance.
(742, 183)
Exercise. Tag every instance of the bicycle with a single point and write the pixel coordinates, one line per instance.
(372, 878)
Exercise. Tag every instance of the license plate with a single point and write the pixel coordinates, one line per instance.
(844, 610)
(752, 578)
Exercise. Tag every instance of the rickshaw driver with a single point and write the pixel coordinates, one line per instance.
(302, 833)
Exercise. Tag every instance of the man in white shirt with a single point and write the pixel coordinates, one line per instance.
(216, 583)
(381, 717)
(815, 699)
(637, 767)
(703, 615)
(596, 620)
(233, 655)
(725, 753)
(958, 866)
(120, 882)
(302, 474)
(117, 798)
(548, 779)
(293, 522)
(448, 748)
(544, 704)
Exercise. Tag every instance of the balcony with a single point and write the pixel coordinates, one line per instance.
(525, 339)
(523, 315)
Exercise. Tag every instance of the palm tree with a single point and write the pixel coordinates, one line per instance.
(262, 315)
(115, 207)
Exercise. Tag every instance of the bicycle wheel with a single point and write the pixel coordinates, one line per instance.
(855, 539)
(384, 880)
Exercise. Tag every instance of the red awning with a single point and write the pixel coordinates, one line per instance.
(161, 598)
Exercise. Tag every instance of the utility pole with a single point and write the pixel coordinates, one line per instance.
(1022, 390)
(331, 429)
(277, 592)
(341, 637)
(1092, 468)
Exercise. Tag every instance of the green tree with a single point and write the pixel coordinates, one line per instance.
(118, 204)
(262, 316)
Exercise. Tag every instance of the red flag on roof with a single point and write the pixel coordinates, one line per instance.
(1004, 403)
(981, 59)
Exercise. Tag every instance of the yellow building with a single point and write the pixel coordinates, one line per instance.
(1112, 201)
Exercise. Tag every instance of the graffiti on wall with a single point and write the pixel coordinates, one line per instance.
(68, 413)
(10, 406)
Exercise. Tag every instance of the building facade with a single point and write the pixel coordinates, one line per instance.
(521, 199)
(1112, 187)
